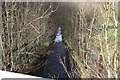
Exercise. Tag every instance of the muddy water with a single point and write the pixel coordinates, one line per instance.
(57, 61)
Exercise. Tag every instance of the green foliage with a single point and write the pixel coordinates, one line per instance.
(47, 43)
(66, 40)
(111, 35)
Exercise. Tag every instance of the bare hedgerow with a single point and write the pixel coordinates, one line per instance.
(25, 29)
(94, 40)
(89, 29)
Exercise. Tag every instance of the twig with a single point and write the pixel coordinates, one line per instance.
(35, 28)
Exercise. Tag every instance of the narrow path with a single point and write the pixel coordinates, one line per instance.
(58, 63)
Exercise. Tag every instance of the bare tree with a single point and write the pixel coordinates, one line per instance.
(25, 29)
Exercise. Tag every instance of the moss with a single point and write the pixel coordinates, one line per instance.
(47, 43)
